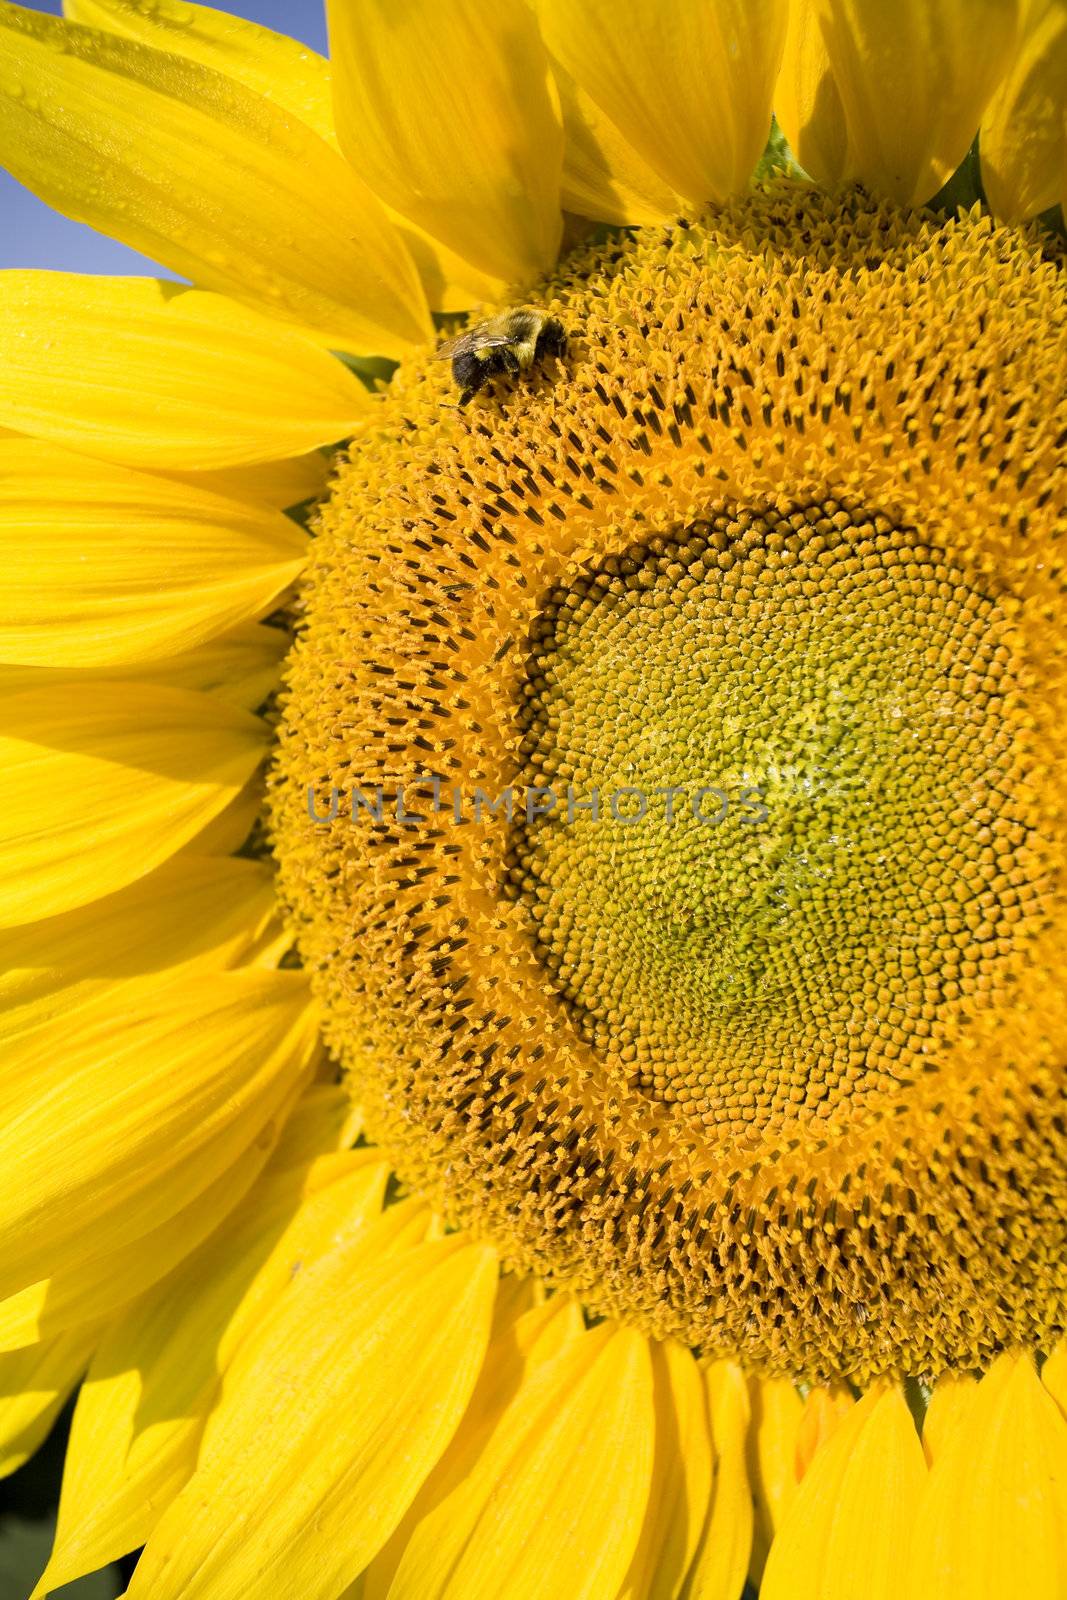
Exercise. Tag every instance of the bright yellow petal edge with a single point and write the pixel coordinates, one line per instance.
(292, 1387)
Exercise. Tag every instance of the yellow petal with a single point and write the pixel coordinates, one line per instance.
(688, 83)
(34, 1383)
(281, 69)
(777, 1410)
(281, 484)
(105, 782)
(993, 1520)
(101, 1285)
(847, 1528)
(201, 173)
(554, 1502)
(522, 1338)
(229, 831)
(825, 1408)
(952, 1396)
(806, 99)
(450, 283)
(298, 80)
(722, 1557)
(681, 1478)
(914, 79)
(451, 116)
(120, 1114)
(141, 1412)
(242, 667)
(330, 1418)
(153, 374)
(106, 565)
(195, 912)
(1024, 133)
(1054, 1375)
(603, 175)
(321, 1125)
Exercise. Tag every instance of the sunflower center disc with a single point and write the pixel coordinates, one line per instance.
(805, 852)
(768, 1054)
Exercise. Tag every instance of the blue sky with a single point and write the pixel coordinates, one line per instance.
(33, 236)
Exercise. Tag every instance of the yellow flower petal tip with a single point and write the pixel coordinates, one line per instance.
(120, 367)
(279, 68)
(465, 138)
(992, 1517)
(383, 1350)
(256, 205)
(648, 71)
(849, 1522)
(893, 94)
(1024, 129)
(107, 566)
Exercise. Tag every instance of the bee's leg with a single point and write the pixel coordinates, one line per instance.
(510, 363)
(468, 395)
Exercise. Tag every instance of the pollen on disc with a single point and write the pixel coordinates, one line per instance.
(785, 523)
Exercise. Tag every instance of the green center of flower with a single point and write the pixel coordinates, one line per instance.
(795, 732)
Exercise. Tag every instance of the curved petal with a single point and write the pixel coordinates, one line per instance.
(688, 83)
(553, 1503)
(241, 667)
(914, 79)
(152, 374)
(1024, 131)
(104, 565)
(825, 1408)
(34, 1383)
(722, 1558)
(806, 98)
(463, 139)
(122, 1113)
(847, 1528)
(104, 781)
(142, 1410)
(992, 1521)
(1054, 1375)
(193, 912)
(603, 175)
(953, 1394)
(681, 1478)
(199, 172)
(295, 78)
(281, 69)
(523, 1336)
(102, 1285)
(280, 484)
(331, 1416)
(777, 1410)
(229, 832)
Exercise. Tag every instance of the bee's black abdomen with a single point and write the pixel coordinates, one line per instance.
(468, 371)
(552, 339)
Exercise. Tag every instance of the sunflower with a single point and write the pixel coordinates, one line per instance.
(535, 1050)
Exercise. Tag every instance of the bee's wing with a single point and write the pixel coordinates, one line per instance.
(483, 341)
(449, 347)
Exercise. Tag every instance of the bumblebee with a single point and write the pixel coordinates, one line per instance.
(507, 344)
